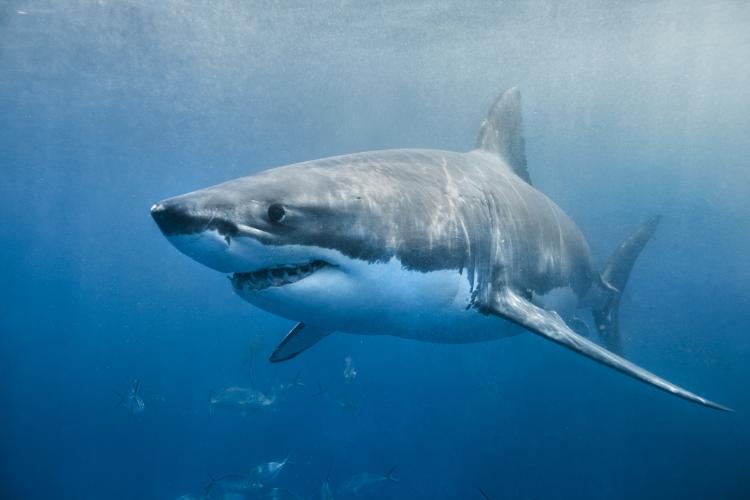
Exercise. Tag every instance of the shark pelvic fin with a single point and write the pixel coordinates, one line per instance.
(502, 132)
(548, 324)
(299, 338)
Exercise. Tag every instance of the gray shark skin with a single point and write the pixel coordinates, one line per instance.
(430, 245)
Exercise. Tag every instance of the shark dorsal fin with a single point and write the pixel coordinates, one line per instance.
(502, 132)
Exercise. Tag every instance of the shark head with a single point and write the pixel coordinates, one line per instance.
(251, 225)
(294, 240)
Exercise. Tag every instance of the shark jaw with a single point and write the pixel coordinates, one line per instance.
(276, 276)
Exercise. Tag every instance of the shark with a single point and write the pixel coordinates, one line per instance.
(430, 245)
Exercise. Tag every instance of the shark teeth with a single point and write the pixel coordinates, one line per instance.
(275, 276)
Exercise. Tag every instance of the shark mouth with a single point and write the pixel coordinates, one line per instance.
(275, 276)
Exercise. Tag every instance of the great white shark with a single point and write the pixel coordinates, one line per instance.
(432, 245)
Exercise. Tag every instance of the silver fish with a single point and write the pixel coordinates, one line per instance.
(361, 483)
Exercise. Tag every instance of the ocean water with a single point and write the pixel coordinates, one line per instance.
(630, 109)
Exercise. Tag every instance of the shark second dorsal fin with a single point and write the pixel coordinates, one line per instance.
(502, 132)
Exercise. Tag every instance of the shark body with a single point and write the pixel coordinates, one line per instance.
(431, 245)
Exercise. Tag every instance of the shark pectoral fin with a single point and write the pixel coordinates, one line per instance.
(299, 339)
(548, 324)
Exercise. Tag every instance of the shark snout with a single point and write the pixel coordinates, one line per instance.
(171, 218)
(175, 217)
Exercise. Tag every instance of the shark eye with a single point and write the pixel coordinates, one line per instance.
(276, 213)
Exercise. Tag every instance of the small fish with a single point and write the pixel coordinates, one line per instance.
(359, 483)
(296, 382)
(133, 401)
(268, 471)
(350, 372)
(241, 399)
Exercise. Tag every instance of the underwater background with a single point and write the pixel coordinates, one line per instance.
(630, 109)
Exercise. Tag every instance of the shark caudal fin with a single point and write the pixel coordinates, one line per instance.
(614, 277)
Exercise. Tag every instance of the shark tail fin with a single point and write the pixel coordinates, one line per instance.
(614, 278)
(389, 475)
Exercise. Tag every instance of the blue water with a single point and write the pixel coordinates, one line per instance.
(630, 109)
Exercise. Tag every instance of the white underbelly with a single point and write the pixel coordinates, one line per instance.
(445, 327)
(386, 299)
